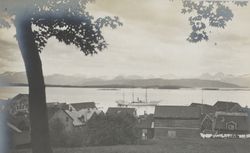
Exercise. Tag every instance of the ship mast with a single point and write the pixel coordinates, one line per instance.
(201, 101)
(146, 96)
(133, 96)
(123, 96)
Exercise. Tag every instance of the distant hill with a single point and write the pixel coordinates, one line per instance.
(12, 77)
(19, 78)
(241, 80)
(163, 83)
(56, 79)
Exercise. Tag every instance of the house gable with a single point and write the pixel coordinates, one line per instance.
(227, 106)
(119, 110)
(227, 122)
(177, 121)
(177, 112)
(20, 103)
(81, 106)
(64, 118)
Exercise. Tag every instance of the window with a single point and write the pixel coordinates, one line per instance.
(231, 125)
(171, 134)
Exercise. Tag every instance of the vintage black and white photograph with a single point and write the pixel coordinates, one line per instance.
(124, 76)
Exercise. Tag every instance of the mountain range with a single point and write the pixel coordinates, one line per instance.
(218, 80)
(240, 80)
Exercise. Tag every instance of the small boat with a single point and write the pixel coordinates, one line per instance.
(122, 103)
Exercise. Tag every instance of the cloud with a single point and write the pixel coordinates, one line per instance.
(152, 41)
(10, 56)
(5, 45)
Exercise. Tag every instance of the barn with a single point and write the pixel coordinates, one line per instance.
(177, 121)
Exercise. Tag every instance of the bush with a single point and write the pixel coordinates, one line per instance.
(100, 130)
(57, 135)
(112, 129)
(76, 138)
(61, 138)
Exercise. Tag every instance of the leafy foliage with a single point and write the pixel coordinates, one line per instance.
(112, 130)
(59, 137)
(66, 20)
(205, 14)
(38, 20)
(57, 134)
(49, 16)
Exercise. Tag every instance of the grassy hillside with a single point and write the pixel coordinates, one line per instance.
(167, 146)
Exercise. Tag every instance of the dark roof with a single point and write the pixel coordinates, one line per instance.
(226, 106)
(58, 105)
(20, 98)
(185, 112)
(205, 108)
(199, 104)
(84, 105)
(118, 110)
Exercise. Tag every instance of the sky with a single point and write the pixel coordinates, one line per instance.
(151, 42)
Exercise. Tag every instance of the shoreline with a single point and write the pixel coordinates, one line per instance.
(117, 87)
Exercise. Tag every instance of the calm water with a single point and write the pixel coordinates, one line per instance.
(107, 98)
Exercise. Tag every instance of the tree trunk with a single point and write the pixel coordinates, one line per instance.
(37, 100)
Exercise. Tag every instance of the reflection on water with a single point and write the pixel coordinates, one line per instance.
(107, 98)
